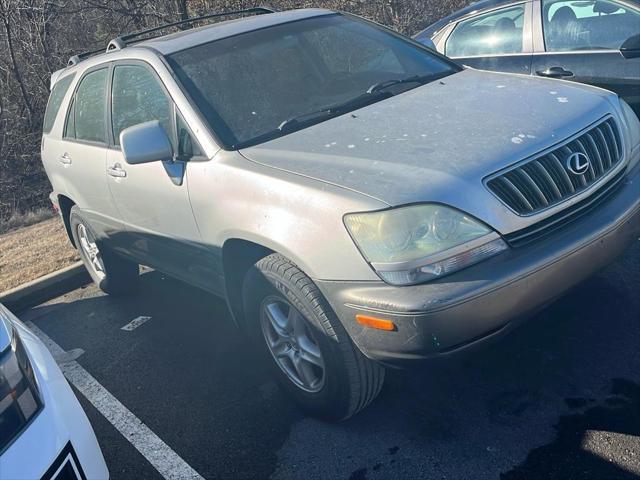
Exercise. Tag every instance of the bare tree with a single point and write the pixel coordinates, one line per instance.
(37, 37)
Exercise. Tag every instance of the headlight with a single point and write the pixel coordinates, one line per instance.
(414, 244)
(19, 397)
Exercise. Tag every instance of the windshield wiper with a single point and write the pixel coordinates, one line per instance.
(334, 110)
(374, 93)
(421, 79)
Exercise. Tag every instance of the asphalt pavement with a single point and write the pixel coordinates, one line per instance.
(559, 398)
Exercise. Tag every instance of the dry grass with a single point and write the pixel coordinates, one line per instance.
(21, 220)
(34, 251)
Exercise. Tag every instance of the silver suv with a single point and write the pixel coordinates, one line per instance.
(358, 199)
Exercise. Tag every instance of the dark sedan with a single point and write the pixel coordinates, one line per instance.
(590, 41)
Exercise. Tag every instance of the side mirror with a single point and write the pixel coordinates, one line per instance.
(631, 47)
(146, 142)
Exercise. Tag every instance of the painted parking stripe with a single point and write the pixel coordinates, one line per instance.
(167, 462)
(135, 323)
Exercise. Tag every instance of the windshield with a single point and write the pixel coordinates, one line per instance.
(251, 85)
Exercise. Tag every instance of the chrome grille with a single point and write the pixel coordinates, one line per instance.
(546, 180)
(567, 216)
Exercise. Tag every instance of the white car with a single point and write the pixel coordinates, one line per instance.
(44, 433)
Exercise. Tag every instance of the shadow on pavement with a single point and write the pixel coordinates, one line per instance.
(568, 457)
(191, 376)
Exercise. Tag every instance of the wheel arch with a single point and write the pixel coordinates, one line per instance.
(238, 256)
(65, 204)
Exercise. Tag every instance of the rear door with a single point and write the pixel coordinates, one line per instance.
(153, 198)
(498, 39)
(52, 146)
(581, 40)
(83, 153)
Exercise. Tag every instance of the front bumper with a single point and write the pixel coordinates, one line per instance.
(59, 439)
(480, 303)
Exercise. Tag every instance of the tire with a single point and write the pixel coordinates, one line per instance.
(114, 275)
(350, 381)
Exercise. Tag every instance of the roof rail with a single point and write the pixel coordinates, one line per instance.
(122, 41)
(81, 56)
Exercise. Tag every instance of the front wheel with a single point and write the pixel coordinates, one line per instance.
(112, 274)
(310, 353)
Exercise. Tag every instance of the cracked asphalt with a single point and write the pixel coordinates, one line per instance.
(557, 399)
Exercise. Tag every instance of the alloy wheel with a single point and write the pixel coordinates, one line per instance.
(90, 250)
(292, 344)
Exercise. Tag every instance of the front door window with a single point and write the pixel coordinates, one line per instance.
(498, 32)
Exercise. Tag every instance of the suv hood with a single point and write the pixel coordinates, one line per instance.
(437, 142)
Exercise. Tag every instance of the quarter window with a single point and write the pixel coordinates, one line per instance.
(87, 113)
(55, 100)
(188, 147)
(587, 25)
(494, 33)
(137, 97)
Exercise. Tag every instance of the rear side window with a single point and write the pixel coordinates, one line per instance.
(495, 33)
(86, 120)
(137, 97)
(55, 100)
(587, 25)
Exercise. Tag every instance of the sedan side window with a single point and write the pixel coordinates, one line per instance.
(587, 25)
(495, 33)
(137, 97)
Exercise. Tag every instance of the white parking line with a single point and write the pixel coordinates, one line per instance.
(135, 323)
(167, 462)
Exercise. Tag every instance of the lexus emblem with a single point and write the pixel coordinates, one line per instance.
(578, 163)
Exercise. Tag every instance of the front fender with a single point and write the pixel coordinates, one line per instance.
(296, 216)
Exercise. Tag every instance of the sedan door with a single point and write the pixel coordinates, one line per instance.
(497, 40)
(153, 198)
(580, 41)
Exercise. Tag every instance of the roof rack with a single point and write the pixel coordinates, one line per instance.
(122, 41)
(81, 56)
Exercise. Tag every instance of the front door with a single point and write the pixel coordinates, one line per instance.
(153, 198)
(498, 40)
(581, 41)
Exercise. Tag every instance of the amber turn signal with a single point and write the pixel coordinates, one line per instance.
(377, 323)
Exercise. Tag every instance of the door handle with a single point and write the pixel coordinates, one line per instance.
(65, 159)
(117, 171)
(555, 72)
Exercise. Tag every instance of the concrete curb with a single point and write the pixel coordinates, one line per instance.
(45, 288)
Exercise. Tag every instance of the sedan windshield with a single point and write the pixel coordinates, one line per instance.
(267, 83)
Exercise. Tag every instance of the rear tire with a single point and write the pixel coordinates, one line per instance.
(112, 274)
(342, 381)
